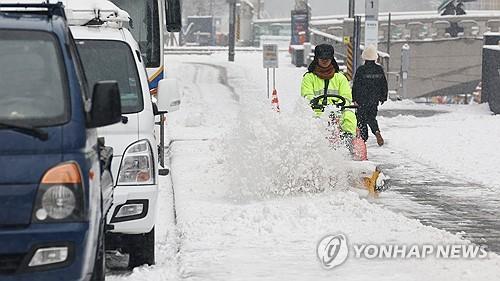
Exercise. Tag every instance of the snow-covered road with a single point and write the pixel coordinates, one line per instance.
(231, 225)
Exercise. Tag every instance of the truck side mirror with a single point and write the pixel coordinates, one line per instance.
(173, 15)
(168, 98)
(106, 105)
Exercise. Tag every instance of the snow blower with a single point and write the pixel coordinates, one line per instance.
(364, 174)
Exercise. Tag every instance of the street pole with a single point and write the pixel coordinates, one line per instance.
(351, 8)
(389, 32)
(232, 20)
(349, 40)
(308, 32)
(357, 43)
(259, 8)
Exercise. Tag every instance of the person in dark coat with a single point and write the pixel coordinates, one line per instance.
(368, 90)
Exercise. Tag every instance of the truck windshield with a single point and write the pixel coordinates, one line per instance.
(32, 79)
(113, 60)
(145, 27)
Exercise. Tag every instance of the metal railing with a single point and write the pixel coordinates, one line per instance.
(319, 37)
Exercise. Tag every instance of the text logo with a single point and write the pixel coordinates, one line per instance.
(332, 250)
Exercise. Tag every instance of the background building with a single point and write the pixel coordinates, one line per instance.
(485, 5)
(282, 8)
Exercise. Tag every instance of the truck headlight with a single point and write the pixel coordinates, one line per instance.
(60, 195)
(58, 201)
(137, 166)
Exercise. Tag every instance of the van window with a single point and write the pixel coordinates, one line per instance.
(113, 60)
(33, 83)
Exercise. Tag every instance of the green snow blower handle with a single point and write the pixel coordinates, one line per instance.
(316, 105)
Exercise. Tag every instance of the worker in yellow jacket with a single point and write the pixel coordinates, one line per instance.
(324, 71)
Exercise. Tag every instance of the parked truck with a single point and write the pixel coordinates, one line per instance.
(55, 183)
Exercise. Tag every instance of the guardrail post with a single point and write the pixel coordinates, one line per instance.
(415, 29)
(494, 25)
(468, 25)
(441, 26)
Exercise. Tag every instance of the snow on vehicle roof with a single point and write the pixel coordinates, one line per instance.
(97, 33)
(80, 12)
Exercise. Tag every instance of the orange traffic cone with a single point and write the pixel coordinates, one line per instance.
(274, 101)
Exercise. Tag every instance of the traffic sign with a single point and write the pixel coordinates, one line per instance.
(371, 22)
(270, 55)
(371, 9)
(371, 33)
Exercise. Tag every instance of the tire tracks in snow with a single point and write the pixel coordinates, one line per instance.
(222, 77)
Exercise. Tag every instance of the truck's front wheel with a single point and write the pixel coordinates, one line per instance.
(142, 249)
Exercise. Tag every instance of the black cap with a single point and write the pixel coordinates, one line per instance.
(324, 51)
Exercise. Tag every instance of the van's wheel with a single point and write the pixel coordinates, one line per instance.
(99, 273)
(141, 249)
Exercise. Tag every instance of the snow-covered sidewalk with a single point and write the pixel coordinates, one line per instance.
(232, 225)
(463, 142)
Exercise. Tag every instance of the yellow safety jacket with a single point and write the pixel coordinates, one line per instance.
(313, 86)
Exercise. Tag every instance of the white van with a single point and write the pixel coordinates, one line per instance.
(109, 52)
